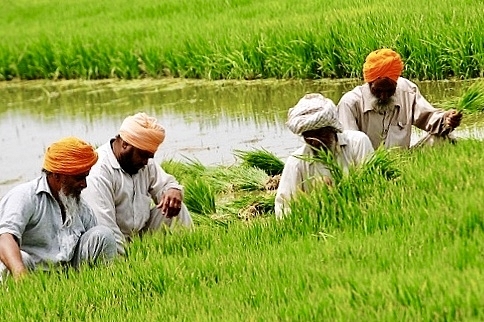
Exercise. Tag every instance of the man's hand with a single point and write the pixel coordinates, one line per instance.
(171, 202)
(11, 257)
(452, 119)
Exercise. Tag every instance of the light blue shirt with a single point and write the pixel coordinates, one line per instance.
(31, 214)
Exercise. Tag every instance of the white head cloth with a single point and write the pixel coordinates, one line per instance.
(312, 112)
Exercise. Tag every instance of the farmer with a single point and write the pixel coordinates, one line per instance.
(387, 105)
(126, 179)
(315, 118)
(45, 222)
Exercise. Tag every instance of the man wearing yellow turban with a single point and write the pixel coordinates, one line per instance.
(126, 180)
(388, 105)
(45, 222)
(315, 118)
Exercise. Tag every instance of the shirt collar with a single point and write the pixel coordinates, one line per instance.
(43, 185)
(110, 155)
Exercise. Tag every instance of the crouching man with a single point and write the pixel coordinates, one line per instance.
(315, 118)
(44, 223)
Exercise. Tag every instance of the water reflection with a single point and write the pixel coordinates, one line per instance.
(203, 120)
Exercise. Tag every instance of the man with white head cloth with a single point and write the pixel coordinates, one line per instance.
(315, 118)
(126, 180)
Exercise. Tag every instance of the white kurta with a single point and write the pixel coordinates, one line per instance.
(125, 203)
(298, 175)
(393, 128)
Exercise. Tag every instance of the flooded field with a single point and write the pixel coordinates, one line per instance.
(203, 120)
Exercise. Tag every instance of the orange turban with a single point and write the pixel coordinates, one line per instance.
(143, 132)
(382, 63)
(69, 156)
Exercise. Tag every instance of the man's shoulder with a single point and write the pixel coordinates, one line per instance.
(25, 189)
(104, 163)
(405, 84)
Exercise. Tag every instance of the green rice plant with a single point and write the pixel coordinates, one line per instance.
(408, 250)
(261, 159)
(226, 40)
(384, 162)
(199, 196)
(342, 203)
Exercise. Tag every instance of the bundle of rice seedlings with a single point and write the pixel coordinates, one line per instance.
(181, 171)
(473, 98)
(199, 196)
(471, 101)
(273, 182)
(261, 159)
(238, 178)
(253, 205)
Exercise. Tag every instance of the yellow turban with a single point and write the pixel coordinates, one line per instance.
(382, 63)
(69, 156)
(142, 132)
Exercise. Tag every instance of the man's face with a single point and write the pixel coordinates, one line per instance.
(383, 89)
(72, 185)
(322, 139)
(132, 159)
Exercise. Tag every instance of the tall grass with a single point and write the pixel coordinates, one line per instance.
(407, 249)
(237, 39)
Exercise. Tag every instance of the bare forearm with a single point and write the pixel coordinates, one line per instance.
(10, 255)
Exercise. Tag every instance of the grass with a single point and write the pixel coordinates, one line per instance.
(407, 249)
(236, 39)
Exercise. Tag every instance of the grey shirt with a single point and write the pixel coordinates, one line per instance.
(31, 214)
(394, 128)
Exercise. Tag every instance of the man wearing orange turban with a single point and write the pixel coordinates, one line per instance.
(388, 105)
(45, 221)
(126, 179)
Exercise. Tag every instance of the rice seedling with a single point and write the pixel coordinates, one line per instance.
(184, 170)
(238, 178)
(199, 196)
(261, 159)
(470, 101)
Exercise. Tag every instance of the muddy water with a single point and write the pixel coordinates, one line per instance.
(203, 120)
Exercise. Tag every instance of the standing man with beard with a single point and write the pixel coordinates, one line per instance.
(387, 105)
(126, 180)
(315, 118)
(45, 222)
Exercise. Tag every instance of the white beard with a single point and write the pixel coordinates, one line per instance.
(381, 108)
(71, 205)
